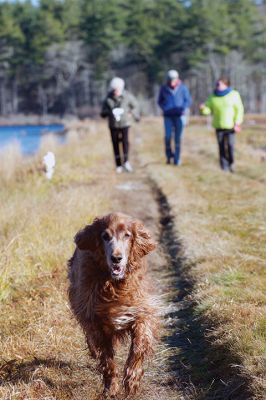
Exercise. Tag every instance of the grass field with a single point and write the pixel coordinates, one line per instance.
(43, 352)
(218, 217)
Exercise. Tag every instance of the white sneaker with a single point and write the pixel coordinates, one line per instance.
(128, 167)
(119, 170)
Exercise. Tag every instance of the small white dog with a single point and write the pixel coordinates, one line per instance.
(49, 163)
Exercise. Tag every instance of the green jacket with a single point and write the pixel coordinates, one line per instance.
(227, 110)
(126, 107)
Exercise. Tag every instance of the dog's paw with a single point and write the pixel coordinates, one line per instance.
(132, 380)
(112, 390)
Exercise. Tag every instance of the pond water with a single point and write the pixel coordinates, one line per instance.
(29, 136)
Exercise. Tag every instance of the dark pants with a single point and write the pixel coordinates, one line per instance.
(120, 136)
(226, 142)
(173, 125)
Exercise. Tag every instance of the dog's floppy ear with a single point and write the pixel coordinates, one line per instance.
(142, 240)
(88, 237)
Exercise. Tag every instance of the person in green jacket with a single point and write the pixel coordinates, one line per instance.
(227, 109)
(120, 107)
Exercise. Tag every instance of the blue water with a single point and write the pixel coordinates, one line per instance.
(29, 136)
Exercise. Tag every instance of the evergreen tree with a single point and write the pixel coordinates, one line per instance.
(140, 33)
(102, 24)
(199, 37)
(11, 36)
(40, 28)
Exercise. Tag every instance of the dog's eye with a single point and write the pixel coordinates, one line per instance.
(127, 235)
(106, 237)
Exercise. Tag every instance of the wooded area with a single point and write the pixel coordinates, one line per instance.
(57, 56)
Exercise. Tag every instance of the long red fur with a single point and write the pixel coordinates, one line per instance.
(109, 311)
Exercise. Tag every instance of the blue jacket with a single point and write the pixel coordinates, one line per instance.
(174, 102)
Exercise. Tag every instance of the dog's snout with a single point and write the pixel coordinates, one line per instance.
(116, 259)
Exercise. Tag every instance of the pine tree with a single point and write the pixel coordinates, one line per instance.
(102, 23)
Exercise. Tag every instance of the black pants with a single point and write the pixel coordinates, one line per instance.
(120, 136)
(226, 143)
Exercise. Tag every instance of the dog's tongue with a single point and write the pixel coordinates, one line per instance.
(116, 270)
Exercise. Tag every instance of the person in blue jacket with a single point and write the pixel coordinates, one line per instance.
(174, 100)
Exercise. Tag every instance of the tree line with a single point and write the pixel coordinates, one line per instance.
(57, 56)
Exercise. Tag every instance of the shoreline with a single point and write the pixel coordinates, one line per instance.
(70, 121)
(33, 120)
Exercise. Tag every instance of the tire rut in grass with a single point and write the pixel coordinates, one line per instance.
(202, 368)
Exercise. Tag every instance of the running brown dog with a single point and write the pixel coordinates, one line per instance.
(110, 295)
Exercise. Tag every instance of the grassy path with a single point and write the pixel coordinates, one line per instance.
(43, 351)
(203, 367)
(219, 220)
(198, 273)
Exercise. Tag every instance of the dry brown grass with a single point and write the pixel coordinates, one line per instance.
(10, 161)
(43, 354)
(220, 218)
(35, 211)
(38, 220)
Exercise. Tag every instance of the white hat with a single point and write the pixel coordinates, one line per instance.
(117, 83)
(172, 74)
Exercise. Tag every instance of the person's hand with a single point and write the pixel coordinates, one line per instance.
(201, 106)
(237, 128)
(183, 120)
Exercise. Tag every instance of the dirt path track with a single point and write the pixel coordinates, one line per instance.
(196, 367)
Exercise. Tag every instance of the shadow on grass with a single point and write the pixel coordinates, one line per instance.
(14, 371)
(201, 368)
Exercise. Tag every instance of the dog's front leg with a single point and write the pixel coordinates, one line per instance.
(141, 346)
(108, 369)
